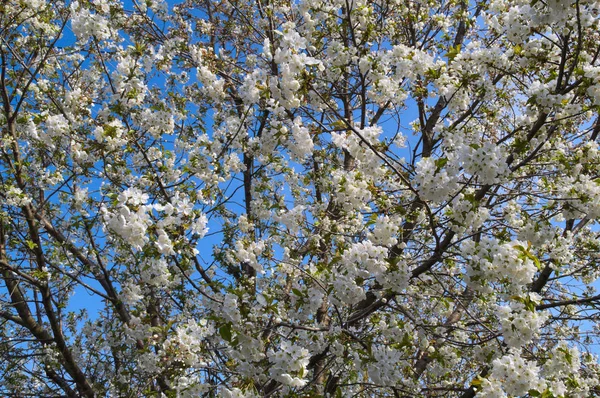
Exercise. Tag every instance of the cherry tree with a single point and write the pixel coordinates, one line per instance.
(273, 198)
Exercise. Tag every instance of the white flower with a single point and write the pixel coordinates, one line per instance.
(16, 197)
(199, 225)
(517, 375)
(303, 144)
(163, 243)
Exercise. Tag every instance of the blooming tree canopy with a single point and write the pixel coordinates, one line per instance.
(276, 198)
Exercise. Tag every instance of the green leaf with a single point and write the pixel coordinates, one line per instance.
(339, 125)
(406, 340)
(372, 220)
(477, 382)
(526, 253)
(521, 145)
(40, 275)
(225, 332)
(518, 49)
(453, 52)
(568, 355)
(433, 73)
(441, 162)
